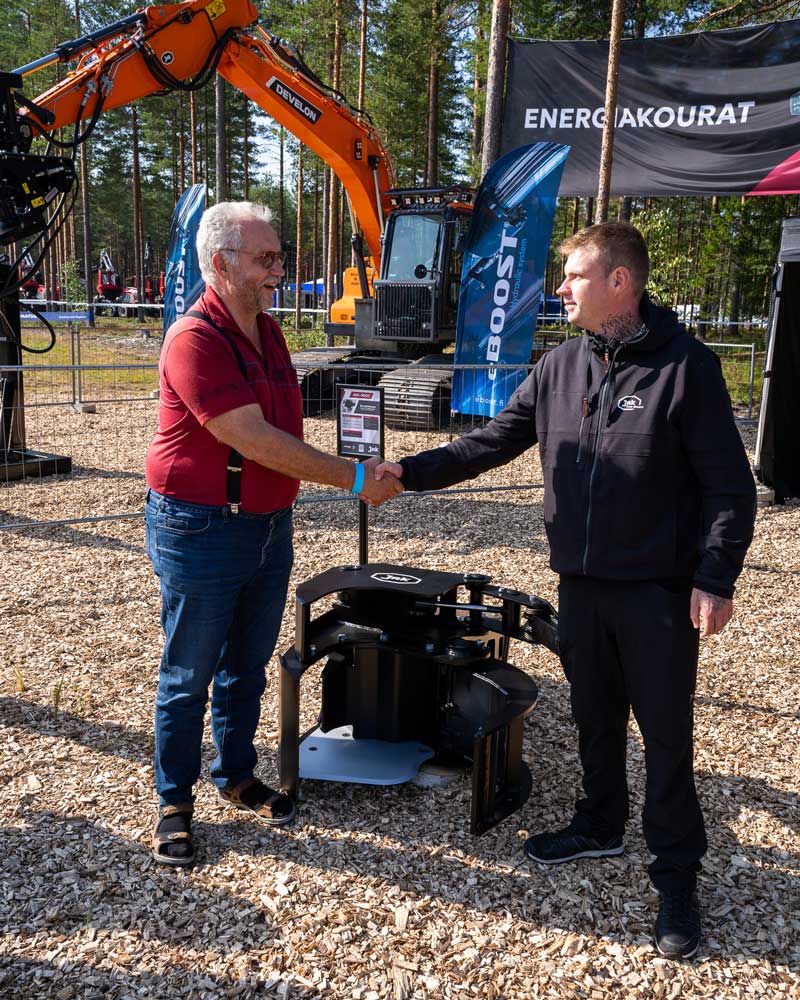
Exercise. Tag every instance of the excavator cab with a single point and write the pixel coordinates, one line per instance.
(414, 305)
(416, 297)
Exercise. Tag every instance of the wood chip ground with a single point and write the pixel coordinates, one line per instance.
(373, 893)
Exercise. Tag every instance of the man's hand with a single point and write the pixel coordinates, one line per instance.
(709, 613)
(379, 489)
(383, 468)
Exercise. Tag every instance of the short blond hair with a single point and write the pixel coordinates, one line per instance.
(616, 244)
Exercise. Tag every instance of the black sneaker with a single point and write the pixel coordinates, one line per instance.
(677, 931)
(564, 845)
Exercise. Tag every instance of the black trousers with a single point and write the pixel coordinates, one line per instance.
(632, 645)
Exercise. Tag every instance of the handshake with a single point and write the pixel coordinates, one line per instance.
(381, 481)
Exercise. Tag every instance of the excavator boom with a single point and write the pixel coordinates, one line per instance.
(405, 311)
(178, 47)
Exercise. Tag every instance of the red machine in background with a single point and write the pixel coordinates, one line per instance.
(153, 285)
(109, 286)
(30, 278)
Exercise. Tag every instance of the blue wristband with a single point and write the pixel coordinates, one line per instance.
(358, 481)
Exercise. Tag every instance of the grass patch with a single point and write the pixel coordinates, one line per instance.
(118, 342)
(114, 342)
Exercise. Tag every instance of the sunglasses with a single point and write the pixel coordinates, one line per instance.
(267, 260)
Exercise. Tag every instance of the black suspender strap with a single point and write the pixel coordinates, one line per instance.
(233, 479)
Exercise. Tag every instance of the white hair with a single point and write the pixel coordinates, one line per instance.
(220, 229)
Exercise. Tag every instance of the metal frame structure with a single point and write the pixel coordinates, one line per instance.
(407, 661)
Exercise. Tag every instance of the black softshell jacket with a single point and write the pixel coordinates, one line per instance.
(645, 473)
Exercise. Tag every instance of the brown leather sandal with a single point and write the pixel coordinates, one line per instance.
(174, 829)
(267, 805)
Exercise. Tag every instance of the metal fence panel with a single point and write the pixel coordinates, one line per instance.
(96, 403)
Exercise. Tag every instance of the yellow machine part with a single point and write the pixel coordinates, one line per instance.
(343, 309)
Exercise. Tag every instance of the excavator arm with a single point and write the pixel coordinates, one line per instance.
(179, 47)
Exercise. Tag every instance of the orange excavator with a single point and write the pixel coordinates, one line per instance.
(412, 238)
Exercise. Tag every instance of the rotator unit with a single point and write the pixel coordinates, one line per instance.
(416, 668)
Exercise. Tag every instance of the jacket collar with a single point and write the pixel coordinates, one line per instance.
(659, 325)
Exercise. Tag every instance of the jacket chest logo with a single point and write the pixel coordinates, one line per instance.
(630, 403)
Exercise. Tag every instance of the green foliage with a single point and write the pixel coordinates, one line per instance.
(714, 259)
(406, 35)
(713, 255)
(70, 281)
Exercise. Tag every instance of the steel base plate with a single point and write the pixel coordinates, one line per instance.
(336, 756)
(30, 464)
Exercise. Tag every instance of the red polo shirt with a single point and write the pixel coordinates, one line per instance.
(199, 378)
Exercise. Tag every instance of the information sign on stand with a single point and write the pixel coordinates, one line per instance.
(359, 421)
(359, 434)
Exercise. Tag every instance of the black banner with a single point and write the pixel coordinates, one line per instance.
(710, 113)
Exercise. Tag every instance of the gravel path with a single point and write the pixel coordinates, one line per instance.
(372, 893)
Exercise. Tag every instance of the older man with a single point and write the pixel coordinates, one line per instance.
(649, 505)
(223, 472)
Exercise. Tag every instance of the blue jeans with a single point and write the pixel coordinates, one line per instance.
(223, 588)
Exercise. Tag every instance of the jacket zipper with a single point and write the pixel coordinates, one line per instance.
(584, 414)
(609, 364)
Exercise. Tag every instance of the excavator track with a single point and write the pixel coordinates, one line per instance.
(318, 384)
(318, 378)
(417, 398)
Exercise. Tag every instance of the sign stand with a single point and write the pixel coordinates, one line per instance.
(359, 434)
(363, 533)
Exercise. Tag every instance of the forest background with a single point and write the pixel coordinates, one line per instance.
(424, 88)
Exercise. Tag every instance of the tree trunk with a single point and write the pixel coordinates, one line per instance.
(639, 28)
(222, 174)
(495, 82)
(336, 62)
(331, 275)
(340, 236)
(325, 233)
(676, 273)
(695, 256)
(315, 236)
(193, 134)
(138, 248)
(246, 151)
(478, 88)
(181, 148)
(612, 79)
(736, 269)
(281, 192)
(206, 172)
(58, 253)
(48, 267)
(331, 269)
(281, 228)
(87, 230)
(298, 278)
(432, 127)
(362, 61)
(87, 224)
(706, 301)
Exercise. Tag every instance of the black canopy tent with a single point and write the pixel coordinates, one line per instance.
(777, 453)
